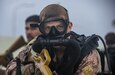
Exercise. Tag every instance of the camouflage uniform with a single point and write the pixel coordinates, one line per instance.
(90, 65)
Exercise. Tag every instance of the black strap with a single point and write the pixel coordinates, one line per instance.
(102, 54)
(18, 67)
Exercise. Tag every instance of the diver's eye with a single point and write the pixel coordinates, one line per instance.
(60, 28)
(47, 29)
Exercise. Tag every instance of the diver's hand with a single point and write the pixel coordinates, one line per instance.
(37, 46)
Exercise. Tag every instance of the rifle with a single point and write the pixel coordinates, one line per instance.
(4, 59)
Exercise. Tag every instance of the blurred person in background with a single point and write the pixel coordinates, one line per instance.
(31, 31)
(32, 27)
(110, 42)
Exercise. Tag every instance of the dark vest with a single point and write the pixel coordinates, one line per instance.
(69, 66)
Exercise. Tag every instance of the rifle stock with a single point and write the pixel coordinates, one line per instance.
(16, 45)
(4, 58)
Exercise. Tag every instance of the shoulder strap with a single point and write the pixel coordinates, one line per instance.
(18, 67)
(102, 56)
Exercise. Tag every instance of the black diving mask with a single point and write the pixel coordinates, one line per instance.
(58, 28)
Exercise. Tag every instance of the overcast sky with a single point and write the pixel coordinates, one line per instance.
(88, 16)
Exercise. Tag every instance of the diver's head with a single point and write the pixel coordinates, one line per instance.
(54, 20)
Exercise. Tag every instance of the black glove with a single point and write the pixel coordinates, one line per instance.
(37, 45)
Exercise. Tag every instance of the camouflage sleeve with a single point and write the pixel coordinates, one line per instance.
(28, 69)
(90, 65)
(11, 67)
(25, 69)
